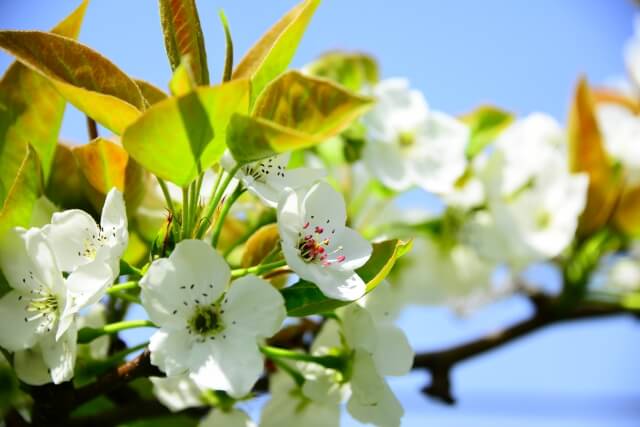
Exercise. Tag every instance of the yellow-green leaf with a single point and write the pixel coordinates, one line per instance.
(31, 111)
(352, 70)
(260, 244)
(485, 123)
(182, 81)
(587, 154)
(627, 215)
(183, 36)
(82, 76)
(18, 205)
(103, 163)
(179, 137)
(150, 93)
(305, 299)
(273, 53)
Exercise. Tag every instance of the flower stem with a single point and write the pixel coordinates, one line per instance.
(332, 362)
(185, 212)
(125, 296)
(258, 269)
(223, 214)
(213, 203)
(167, 196)
(86, 335)
(123, 287)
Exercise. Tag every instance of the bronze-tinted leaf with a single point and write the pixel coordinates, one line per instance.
(183, 36)
(260, 244)
(627, 215)
(587, 154)
(66, 186)
(352, 70)
(103, 163)
(83, 76)
(273, 53)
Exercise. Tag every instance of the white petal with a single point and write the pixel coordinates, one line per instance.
(302, 177)
(359, 328)
(327, 338)
(16, 332)
(386, 163)
(231, 363)
(177, 392)
(324, 209)
(342, 285)
(114, 226)
(290, 221)
(30, 367)
(86, 285)
(71, 235)
(96, 317)
(60, 355)
(170, 351)
(393, 354)
(253, 306)
(372, 400)
(233, 418)
(194, 274)
(355, 249)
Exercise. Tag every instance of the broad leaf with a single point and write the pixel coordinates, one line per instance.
(103, 163)
(178, 138)
(182, 81)
(84, 77)
(183, 36)
(627, 215)
(305, 299)
(67, 185)
(273, 53)
(150, 93)
(260, 245)
(485, 123)
(294, 112)
(31, 111)
(352, 70)
(587, 154)
(18, 205)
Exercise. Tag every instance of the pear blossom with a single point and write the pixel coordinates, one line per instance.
(38, 316)
(407, 144)
(206, 330)
(318, 246)
(624, 274)
(377, 349)
(177, 392)
(621, 131)
(314, 404)
(77, 240)
(231, 418)
(268, 178)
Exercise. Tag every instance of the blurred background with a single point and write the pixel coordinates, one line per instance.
(523, 56)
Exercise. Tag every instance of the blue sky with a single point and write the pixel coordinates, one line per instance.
(521, 55)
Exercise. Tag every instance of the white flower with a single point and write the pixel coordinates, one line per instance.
(268, 178)
(96, 317)
(378, 349)
(318, 246)
(621, 131)
(77, 240)
(207, 330)
(232, 418)
(624, 275)
(177, 392)
(37, 317)
(410, 145)
(315, 404)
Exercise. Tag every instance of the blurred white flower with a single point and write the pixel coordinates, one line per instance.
(77, 240)
(207, 330)
(407, 144)
(37, 317)
(624, 275)
(317, 245)
(96, 317)
(232, 418)
(177, 392)
(268, 178)
(621, 131)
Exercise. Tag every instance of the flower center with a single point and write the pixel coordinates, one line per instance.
(42, 304)
(261, 170)
(205, 321)
(312, 246)
(96, 241)
(406, 139)
(543, 219)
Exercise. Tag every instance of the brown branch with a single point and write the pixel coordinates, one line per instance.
(440, 363)
(92, 128)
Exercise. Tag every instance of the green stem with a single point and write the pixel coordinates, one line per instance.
(213, 203)
(127, 297)
(167, 196)
(332, 362)
(185, 213)
(123, 287)
(258, 269)
(293, 373)
(86, 335)
(128, 269)
(223, 214)
(116, 357)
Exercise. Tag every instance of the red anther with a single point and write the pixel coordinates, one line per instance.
(326, 263)
(319, 229)
(305, 226)
(341, 258)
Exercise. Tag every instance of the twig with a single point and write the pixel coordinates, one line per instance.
(92, 128)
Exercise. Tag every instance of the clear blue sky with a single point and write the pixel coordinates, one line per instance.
(522, 55)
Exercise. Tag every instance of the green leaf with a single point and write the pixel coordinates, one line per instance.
(304, 298)
(178, 138)
(18, 205)
(183, 36)
(228, 56)
(352, 70)
(273, 53)
(67, 185)
(182, 81)
(486, 123)
(150, 93)
(82, 76)
(294, 112)
(31, 111)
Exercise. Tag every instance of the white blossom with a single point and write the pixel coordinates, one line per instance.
(268, 178)
(37, 317)
(407, 144)
(318, 246)
(207, 330)
(177, 392)
(231, 418)
(621, 131)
